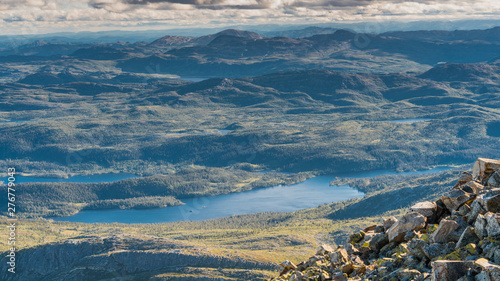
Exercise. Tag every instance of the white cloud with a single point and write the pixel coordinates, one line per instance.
(34, 16)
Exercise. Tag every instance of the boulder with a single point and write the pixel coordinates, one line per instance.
(371, 228)
(347, 268)
(356, 237)
(492, 224)
(340, 277)
(484, 166)
(480, 227)
(454, 198)
(389, 222)
(449, 270)
(468, 236)
(489, 271)
(444, 229)
(455, 235)
(492, 203)
(378, 241)
(464, 178)
(464, 209)
(339, 256)
(416, 248)
(434, 250)
(324, 249)
(287, 266)
(427, 209)
(410, 221)
(472, 187)
(477, 209)
(494, 179)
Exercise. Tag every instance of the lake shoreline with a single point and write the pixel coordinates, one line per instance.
(196, 208)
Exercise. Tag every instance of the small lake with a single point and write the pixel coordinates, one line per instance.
(308, 194)
(17, 121)
(409, 120)
(109, 177)
(194, 79)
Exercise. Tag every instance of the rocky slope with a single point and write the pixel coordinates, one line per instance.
(454, 238)
(127, 257)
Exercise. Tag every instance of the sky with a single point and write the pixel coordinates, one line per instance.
(18, 17)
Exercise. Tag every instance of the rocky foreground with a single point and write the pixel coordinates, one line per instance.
(455, 238)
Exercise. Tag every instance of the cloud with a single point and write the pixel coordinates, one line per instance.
(35, 16)
(256, 4)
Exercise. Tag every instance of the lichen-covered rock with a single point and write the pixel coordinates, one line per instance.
(489, 270)
(410, 221)
(378, 241)
(416, 248)
(444, 229)
(454, 238)
(356, 237)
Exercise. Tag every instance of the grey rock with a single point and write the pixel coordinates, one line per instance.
(433, 250)
(496, 256)
(464, 209)
(287, 266)
(468, 236)
(455, 234)
(472, 187)
(465, 177)
(416, 248)
(444, 229)
(492, 270)
(339, 256)
(477, 209)
(480, 227)
(324, 249)
(449, 270)
(340, 277)
(492, 225)
(483, 166)
(408, 222)
(427, 209)
(492, 203)
(378, 241)
(389, 222)
(454, 198)
(494, 179)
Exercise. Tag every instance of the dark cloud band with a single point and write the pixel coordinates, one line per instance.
(258, 4)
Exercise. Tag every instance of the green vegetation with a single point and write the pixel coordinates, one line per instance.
(145, 202)
(266, 237)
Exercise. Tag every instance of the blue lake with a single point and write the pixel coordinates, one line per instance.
(308, 194)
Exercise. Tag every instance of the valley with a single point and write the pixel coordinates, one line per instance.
(276, 124)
